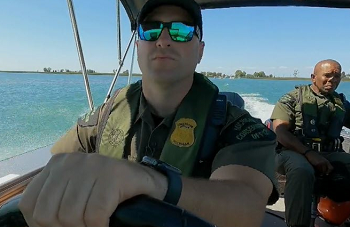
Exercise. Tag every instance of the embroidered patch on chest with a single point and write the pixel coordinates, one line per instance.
(115, 137)
(183, 134)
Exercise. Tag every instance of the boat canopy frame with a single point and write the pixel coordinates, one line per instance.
(133, 7)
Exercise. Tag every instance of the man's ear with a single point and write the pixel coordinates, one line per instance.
(313, 78)
(201, 50)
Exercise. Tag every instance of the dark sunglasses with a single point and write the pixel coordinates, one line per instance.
(178, 31)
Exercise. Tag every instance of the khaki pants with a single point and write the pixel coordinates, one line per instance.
(300, 178)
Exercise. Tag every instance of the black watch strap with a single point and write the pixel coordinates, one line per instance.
(173, 193)
(173, 175)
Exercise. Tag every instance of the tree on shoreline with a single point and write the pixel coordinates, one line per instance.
(47, 70)
(295, 73)
(343, 75)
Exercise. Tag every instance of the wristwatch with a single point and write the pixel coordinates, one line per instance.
(173, 175)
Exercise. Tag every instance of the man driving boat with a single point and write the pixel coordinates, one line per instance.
(163, 119)
(308, 122)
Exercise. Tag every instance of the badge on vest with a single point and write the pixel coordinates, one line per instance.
(183, 134)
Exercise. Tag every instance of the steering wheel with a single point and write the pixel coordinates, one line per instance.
(140, 211)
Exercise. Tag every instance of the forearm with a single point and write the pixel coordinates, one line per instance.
(223, 203)
(291, 142)
(235, 195)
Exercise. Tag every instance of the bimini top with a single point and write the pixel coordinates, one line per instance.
(133, 7)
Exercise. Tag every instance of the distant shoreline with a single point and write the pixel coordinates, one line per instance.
(291, 78)
(136, 74)
(68, 73)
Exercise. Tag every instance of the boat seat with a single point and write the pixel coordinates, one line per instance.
(234, 98)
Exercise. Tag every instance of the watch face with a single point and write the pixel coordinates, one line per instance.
(160, 165)
(149, 161)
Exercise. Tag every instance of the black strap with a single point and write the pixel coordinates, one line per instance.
(104, 119)
(215, 123)
(310, 123)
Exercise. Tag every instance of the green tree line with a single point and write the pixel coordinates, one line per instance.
(236, 74)
(257, 75)
(89, 71)
(49, 70)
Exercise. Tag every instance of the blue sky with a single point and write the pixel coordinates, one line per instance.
(278, 40)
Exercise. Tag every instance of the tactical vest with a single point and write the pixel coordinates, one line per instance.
(309, 121)
(186, 135)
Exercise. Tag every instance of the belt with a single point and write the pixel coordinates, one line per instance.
(317, 144)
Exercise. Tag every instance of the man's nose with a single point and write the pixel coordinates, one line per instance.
(164, 39)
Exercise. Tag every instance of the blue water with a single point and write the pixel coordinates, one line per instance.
(36, 109)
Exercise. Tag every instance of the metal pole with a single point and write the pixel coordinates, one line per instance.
(119, 45)
(132, 61)
(80, 53)
(119, 68)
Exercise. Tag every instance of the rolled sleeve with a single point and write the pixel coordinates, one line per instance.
(246, 141)
(68, 143)
(282, 111)
(285, 108)
(259, 155)
(82, 136)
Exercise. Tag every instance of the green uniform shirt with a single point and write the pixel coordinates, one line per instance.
(285, 109)
(244, 140)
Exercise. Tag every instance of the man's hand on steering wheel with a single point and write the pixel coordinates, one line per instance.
(80, 189)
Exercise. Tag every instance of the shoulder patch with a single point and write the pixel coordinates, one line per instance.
(234, 113)
(247, 128)
(90, 119)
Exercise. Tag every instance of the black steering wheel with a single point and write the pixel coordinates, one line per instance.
(140, 211)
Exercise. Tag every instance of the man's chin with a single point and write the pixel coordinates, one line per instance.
(164, 76)
(328, 90)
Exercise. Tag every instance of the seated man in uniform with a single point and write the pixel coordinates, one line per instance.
(161, 119)
(308, 121)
